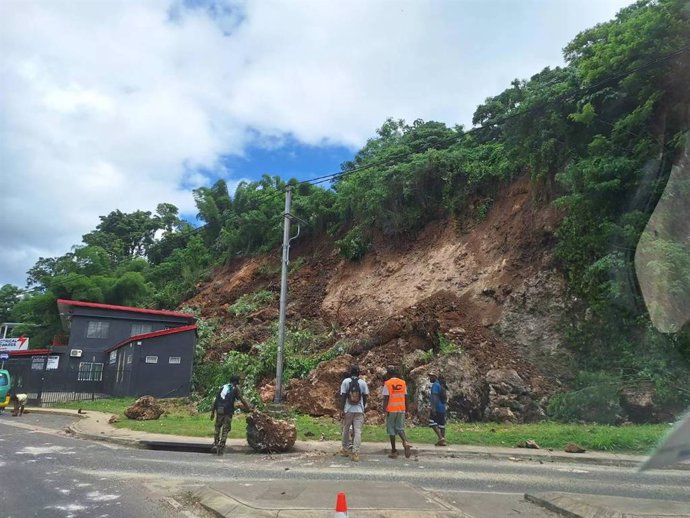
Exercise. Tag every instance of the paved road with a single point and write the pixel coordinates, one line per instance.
(48, 474)
(52, 474)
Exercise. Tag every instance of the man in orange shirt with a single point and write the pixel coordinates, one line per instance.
(395, 406)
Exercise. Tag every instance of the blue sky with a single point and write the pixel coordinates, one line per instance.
(291, 160)
(114, 105)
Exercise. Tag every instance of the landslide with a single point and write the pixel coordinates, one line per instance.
(458, 280)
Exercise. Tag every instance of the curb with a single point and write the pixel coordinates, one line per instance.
(550, 506)
(572, 505)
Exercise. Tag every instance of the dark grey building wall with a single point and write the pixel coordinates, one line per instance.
(119, 326)
(130, 374)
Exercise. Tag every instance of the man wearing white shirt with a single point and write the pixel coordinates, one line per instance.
(353, 401)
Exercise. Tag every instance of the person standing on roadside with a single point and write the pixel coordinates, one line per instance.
(353, 401)
(395, 406)
(437, 415)
(223, 410)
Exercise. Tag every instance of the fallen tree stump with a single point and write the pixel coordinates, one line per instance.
(268, 435)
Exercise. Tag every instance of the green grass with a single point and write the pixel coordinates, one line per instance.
(620, 439)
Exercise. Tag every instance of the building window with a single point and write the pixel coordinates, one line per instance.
(175, 359)
(97, 329)
(90, 371)
(140, 329)
(152, 359)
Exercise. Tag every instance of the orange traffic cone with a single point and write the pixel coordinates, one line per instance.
(341, 506)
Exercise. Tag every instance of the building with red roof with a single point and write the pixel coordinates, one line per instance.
(112, 350)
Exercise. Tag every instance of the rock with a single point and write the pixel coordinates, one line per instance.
(501, 415)
(507, 381)
(145, 408)
(113, 419)
(318, 395)
(267, 392)
(468, 393)
(571, 447)
(532, 412)
(638, 403)
(413, 360)
(532, 319)
(268, 435)
(529, 443)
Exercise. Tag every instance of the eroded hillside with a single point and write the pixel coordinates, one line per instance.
(480, 302)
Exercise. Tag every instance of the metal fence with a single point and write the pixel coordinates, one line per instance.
(48, 399)
(45, 387)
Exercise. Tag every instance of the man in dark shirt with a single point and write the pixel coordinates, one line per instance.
(222, 411)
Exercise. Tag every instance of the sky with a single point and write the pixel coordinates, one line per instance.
(108, 105)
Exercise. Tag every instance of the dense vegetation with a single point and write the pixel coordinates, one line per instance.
(598, 137)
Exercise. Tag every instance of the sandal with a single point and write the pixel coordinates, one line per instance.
(408, 451)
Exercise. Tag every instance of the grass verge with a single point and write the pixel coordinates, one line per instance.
(180, 419)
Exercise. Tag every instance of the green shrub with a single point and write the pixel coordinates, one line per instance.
(250, 302)
(296, 265)
(446, 346)
(354, 245)
(483, 208)
(594, 400)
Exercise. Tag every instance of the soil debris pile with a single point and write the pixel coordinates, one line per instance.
(145, 408)
(268, 435)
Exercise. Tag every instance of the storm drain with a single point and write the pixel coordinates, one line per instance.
(177, 446)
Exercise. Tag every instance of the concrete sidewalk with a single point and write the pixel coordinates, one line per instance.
(309, 499)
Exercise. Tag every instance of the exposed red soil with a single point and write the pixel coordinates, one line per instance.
(452, 278)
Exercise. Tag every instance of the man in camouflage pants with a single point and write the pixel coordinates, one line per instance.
(223, 410)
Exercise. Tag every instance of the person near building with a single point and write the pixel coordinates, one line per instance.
(395, 406)
(353, 402)
(223, 410)
(437, 414)
(19, 401)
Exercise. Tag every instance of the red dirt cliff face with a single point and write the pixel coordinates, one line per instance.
(452, 279)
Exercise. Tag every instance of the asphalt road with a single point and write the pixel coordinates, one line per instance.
(48, 473)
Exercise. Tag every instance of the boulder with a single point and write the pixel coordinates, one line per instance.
(501, 415)
(145, 408)
(268, 435)
(506, 381)
(638, 403)
(319, 394)
(468, 393)
(529, 443)
(571, 447)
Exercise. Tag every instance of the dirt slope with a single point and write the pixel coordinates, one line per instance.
(455, 278)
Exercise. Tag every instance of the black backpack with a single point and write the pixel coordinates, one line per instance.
(354, 391)
(226, 405)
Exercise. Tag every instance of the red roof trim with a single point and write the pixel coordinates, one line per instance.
(97, 305)
(30, 352)
(153, 334)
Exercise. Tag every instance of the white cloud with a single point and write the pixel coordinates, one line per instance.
(116, 105)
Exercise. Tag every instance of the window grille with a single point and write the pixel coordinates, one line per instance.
(90, 371)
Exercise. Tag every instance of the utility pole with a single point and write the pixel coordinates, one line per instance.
(283, 295)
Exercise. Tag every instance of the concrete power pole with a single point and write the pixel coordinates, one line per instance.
(283, 295)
